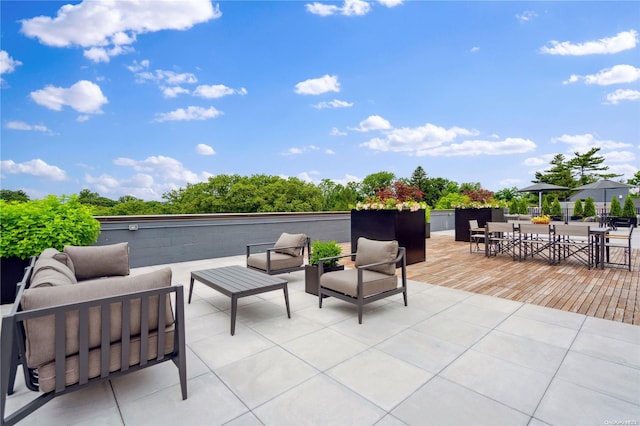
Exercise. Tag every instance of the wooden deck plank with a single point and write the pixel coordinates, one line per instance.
(610, 293)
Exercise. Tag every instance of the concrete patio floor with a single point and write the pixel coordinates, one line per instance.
(450, 358)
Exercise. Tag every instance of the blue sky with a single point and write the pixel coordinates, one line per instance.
(139, 98)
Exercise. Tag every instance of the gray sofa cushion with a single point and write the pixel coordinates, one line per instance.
(63, 258)
(99, 261)
(40, 334)
(290, 244)
(48, 271)
(372, 251)
(278, 261)
(346, 282)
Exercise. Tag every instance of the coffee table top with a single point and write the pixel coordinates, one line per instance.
(238, 280)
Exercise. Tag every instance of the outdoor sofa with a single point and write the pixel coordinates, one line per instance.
(78, 314)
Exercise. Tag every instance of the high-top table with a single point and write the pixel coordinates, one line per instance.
(236, 282)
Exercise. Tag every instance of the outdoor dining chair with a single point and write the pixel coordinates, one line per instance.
(536, 240)
(619, 241)
(501, 237)
(476, 235)
(573, 241)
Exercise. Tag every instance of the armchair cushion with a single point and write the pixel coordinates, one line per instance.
(372, 251)
(51, 253)
(49, 272)
(40, 332)
(290, 244)
(346, 282)
(99, 261)
(278, 261)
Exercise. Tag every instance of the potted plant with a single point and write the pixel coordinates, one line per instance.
(629, 211)
(27, 228)
(556, 210)
(589, 210)
(320, 250)
(578, 211)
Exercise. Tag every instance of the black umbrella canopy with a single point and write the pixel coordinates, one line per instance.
(541, 187)
(604, 184)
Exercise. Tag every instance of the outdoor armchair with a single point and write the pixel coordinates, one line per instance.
(373, 279)
(284, 255)
(619, 241)
(476, 235)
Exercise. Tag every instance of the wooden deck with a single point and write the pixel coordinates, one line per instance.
(611, 293)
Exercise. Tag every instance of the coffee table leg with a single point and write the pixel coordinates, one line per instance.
(234, 310)
(190, 289)
(286, 300)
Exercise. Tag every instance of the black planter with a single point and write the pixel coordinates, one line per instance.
(312, 277)
(12, 271)
(484, 215)
(406, 227)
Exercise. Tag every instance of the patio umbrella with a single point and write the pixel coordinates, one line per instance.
(540, 188)
(604, 184)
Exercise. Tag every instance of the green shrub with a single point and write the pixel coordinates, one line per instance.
(546, 209)
(589, 207)
(556, 210)
(29, 228)
(629, 209)
(322, 249)
(577, 209)
(615, 209)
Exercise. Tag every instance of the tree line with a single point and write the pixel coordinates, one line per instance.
(263, 193)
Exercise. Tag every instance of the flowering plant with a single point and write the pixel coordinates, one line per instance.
(399, 196)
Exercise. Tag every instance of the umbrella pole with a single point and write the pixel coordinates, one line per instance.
(540, 203)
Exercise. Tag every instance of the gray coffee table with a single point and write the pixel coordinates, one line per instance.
(236, 282)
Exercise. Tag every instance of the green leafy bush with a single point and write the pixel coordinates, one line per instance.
(556, 210)
(322, 249)
(577, 209)
(30, 227)
(629, 210)
(615, 209)
(589, 207)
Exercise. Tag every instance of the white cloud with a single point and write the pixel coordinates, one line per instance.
(300, 150)
(619, 156)
(7, 63)
(616, 75)
(416, 139)
(346, 179)
(173, 91)
(329, 151)
(82, 118)
(618, 43)
(153, 177)
(84, 96)
(535, 161)
(317, 86)
(509, 182)
(333, 104)
(584, 142)
(217, 91)
(336, 132)
(626, 170)
(35, 167)
(188, 114)
(204, 149)
(526, 16)
(622, 95)
(390, 3)
(373, 122)
(481, 147)
(348, 8)
(475, 49)
(103, 27)
(21, 125)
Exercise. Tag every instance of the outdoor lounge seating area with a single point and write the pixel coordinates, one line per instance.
(453, 354)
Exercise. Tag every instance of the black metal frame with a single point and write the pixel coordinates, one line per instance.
(500, 237)
(567, 243)
(269, 271)
(536, 242)
(627, 250)
(360, 300)
(12, 339)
